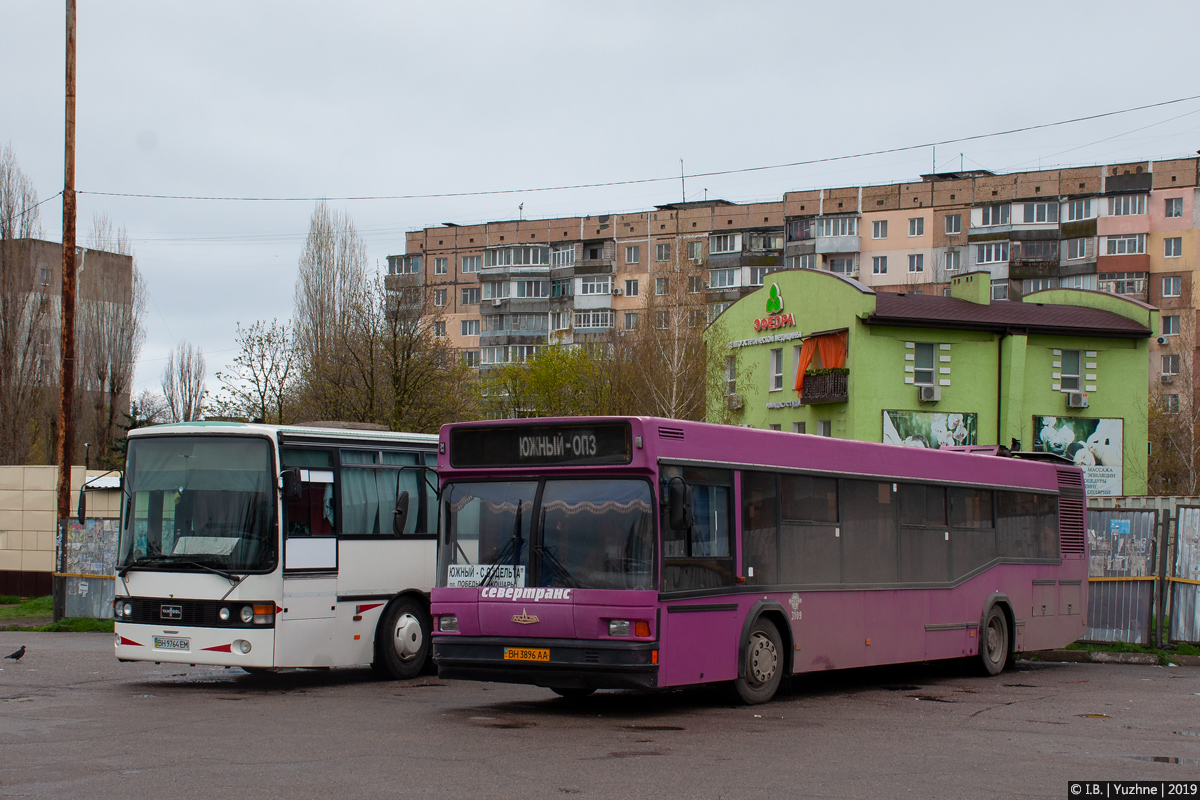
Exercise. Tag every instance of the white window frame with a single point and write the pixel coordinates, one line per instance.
(1171, 401)
(837, 226)
(631, 320)
(724, 243)
(439, 297)
(953, 260)
(916, 226)
(1077, 248)
(595, 318)
(723, 278)
(469, 327)
(841, 265)
(758, 275)
(1079, 209)
(440, 266)
(953, 224)
(631, 287)
(991, 253)
(662, 251)
(879, 229)
(562, 256)
(1071, 381)
(469, 296)
(1173, 207)
(1170, 364)
(633, 254)
(916, 262)
(1170, 325)
(995, 214)
(1173, 247)
(695, 284)
(1127, 205)
(1126, 244)
(595, 284)
(662, 285)
(802, 261)
(925, 364)
(1040, 212)
(776, 369)
(470, 264)
(879, 265)
(1172, 286)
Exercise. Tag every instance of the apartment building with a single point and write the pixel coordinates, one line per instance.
(506, 288)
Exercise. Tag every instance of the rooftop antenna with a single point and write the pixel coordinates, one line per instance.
(521, 212)
(682, 183)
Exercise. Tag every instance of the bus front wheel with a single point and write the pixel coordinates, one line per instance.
(762, 671)
(993, 642)
(402, 640)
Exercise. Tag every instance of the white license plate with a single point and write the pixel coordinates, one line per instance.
(169, 643)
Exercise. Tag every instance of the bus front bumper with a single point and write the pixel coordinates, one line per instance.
(560, 663)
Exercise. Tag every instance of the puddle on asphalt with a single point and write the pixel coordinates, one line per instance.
(1094, 716)
(641, 728)
(1167, 760)
(929, 698)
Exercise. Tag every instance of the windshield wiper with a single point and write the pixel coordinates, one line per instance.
(508, 548)
(168, 559)
(560, 571)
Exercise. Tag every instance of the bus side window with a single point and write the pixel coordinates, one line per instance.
(702, 556)
(313, 513)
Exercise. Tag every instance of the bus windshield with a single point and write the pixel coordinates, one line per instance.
(584, 534)
(199, 503)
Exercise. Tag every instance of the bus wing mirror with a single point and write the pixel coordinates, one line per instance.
(400, 516)
(679, 505)
(292, 487)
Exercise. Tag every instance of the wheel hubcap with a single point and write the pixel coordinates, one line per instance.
(993, 641)
(763, 658)
(408, 638)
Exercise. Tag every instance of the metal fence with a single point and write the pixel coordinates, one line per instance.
(1121, 575)
(91, 568)
(1185, 580)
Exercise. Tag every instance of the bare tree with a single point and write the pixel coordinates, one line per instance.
(261, 381)
(25, 309)
(1173, 416)
(183, 383)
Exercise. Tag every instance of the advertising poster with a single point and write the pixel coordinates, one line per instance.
(932, 429)
(1094, 444)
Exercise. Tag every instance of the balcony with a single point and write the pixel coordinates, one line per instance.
(826, 386)
(838, 244)
(600, 254)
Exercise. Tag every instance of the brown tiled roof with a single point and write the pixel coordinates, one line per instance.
(932, 311)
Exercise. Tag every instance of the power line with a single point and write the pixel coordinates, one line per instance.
(633, 181)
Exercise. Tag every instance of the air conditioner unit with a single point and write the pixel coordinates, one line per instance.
(698, 260)
(929, 394)
(734, 402)
(1166, 377)
(617, 291)
(1077, 400)
(497, 301)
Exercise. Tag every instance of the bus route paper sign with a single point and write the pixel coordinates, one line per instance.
(1094, 444)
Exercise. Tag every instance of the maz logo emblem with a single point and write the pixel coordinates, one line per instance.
(171, 612)
(524, 618)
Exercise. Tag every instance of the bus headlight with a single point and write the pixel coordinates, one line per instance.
(241, 646)
(247, 614)
(448, 623)
(618, 627)
(224, 614)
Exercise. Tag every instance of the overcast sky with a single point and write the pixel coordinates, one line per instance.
(338, 99)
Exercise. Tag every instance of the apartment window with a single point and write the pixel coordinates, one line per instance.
(517, 256)
(594, 252)
(696, 317)
(45, 276)
(1031, 285)
(916, 226)
(497, 354)
(662, 285)
(999, 290)
(662, 320)
(1173, 247)
(1125, 205)
(1037, 251)
(631, 319)
(1076, 248)
(560, 320)
(695, 284)
(725, 243)
(1171, 401)
(722, 278)
(916, 262)
(495, 291)
(1170, 325)
(469, 327)
(662, 252)
(879, 265)
(633, 254)
(730, 375)
(695, 251)
(594, 318)
(924, 364)
(595, 284)
(1129, 244)
(766, 241)
(804, 261)
(777, 369)
(1174, 207)
(1069, 370)
(775, 426)
(470, 264)
(994, 215)
(837, 226)
(953, 223)
(842, 265)
(953, 260)
(562, 287)
(879, 229)
(1079, 209)
(1170, 364)
(799, 229)
(439, 266)
(758, 274)
(1041, 212)
(439, 297)
(524, 352)
(470, 358)
(992, 253)
(1078, 282)
(439, 328)
(1123, 282)
(716, 309)
(531, 289)
(469, 297)
(797, 427)
(1172, 286)
(562, 256)
(824, 427)
(631, 288)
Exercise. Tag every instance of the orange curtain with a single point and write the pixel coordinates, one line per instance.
(807, 351)
(833, 350)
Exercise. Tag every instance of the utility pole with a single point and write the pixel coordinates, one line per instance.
(66, 374)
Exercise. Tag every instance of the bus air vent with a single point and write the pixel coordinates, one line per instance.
(670, 433)
(1072, 533)
(591, 656)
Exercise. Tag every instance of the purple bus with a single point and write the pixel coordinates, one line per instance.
(634, 552)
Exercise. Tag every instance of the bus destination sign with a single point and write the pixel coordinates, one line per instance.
(550, 445)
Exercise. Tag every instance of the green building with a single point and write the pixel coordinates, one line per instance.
(1064, 371)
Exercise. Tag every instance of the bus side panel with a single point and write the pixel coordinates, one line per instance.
(385, 566)
(699, 646)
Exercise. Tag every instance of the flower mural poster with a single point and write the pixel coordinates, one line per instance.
(932, 429)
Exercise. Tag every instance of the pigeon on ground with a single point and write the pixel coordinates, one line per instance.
(17, 656)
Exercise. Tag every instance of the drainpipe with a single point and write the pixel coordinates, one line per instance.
(1000, 386)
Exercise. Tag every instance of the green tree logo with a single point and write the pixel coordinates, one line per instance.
(775, 301)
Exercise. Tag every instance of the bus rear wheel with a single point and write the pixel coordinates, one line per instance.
(762, 671)
(993, 642)
(402, 640)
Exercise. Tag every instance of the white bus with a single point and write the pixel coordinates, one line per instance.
(266, 546)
